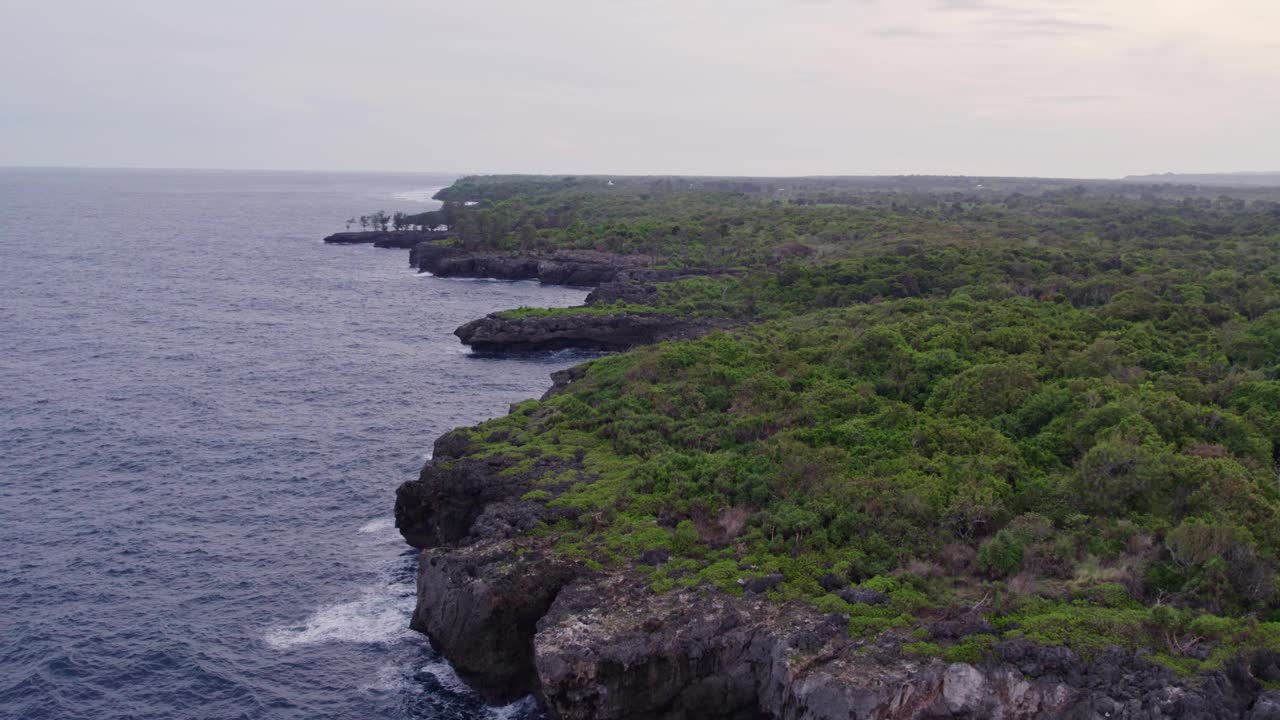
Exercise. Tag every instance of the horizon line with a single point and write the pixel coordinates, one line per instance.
(1096, 178)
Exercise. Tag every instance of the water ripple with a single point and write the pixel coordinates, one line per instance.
(204, 414)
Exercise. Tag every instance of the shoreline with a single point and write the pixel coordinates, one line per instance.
(513, 620)
(703, 529)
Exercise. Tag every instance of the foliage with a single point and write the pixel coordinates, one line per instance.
(1027, 396)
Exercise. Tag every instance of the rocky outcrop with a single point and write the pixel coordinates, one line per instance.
(480, 606)
(480, 597)
(402, 239)
(499, 332)
(514, 617)
(624, 289)
(611, 650)
(579, 269)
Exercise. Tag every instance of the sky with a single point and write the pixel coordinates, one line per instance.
(1065, 88)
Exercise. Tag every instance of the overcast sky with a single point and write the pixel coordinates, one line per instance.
(1087, 88)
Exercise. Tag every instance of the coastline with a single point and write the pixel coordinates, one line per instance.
(714, 528)
(514, 620)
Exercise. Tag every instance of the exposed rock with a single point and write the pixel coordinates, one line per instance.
(832, 582)
(480, 607)
(959, 629)
(402, 239)
(655, 557)
(610, 649)
(1267, 666)
(624, 289)
(862, 596)
(1267, 706)
(440, 507)
(964, 690)
(581, 269)
(1037, 660)
(453, 444)
(561, 379)
(761, 585)
(500, 333)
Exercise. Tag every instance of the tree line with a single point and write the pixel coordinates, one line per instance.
(399, 221)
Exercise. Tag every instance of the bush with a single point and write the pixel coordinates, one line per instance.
(1001, 556)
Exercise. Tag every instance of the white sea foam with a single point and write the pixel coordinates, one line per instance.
(519, 708)
(447, 678)
(421, 195)
(427, 455)
(393, 679)
(398, 679)
(377, 526)
(381, 615)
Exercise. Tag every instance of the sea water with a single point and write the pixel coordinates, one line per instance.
(204, 414)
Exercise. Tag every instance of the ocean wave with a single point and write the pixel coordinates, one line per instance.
(380, 616)
(393, 679)
(525, 707)
(447, 677)
(377, 526)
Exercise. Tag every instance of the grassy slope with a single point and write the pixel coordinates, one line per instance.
(1063, 411)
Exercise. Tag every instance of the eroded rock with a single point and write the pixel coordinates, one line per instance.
(499, 332)
(402, 239)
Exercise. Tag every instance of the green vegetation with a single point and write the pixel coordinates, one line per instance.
(1061, 408)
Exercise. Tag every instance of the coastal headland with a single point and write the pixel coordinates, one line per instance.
(872, 448)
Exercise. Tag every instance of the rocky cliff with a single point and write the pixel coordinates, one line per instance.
(514, 617)
(615, 279)
(500, 332)
(580, 269)
(402, 239)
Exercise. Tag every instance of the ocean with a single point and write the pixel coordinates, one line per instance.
(204, 414)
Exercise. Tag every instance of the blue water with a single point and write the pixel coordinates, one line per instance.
(204, 413)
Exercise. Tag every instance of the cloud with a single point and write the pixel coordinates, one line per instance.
(974, 5)
(712, 86)
(906, 32)
(1049, 25)
(1073, 99)
(1028, 19)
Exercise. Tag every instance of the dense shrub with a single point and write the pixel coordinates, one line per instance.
(1001, 556)
(997, 403)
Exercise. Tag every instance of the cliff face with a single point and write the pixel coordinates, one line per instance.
(617, 331)
(515, 618)
(614, 279)
(579, 269)
(402, 239)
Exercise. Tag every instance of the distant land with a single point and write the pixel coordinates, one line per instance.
(1239, 179)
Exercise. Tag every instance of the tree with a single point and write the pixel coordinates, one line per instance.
(398, 221)
(528, 237)
(350, 221)
(364, 222)
(450, 213)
